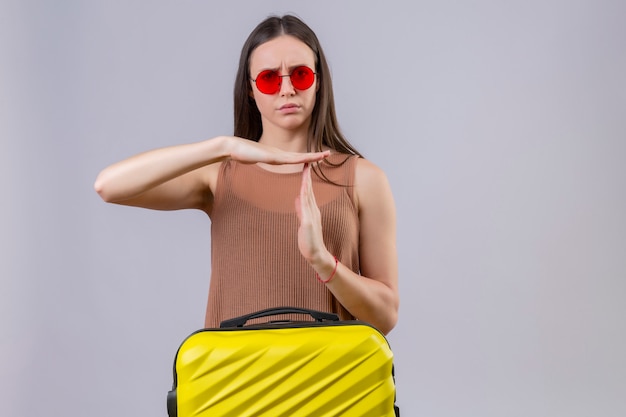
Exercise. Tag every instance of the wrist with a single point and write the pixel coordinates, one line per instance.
(224, 146)
(212, 150)
(326, 268)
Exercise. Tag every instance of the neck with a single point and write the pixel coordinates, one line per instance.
(287, 140)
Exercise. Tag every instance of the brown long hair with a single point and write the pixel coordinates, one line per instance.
(324, 129)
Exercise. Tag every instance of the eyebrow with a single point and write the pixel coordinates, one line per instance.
(289, 68)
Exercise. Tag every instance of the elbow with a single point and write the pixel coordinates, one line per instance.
(385, 320)
(391, 318)
(100, 186)
(389, 323)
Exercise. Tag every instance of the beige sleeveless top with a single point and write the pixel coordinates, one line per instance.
(255, 260)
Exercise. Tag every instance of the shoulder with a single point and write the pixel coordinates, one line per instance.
(368, 176)
(370, 182)
(367, 170)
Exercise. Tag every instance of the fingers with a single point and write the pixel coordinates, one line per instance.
(298, 158)
(307, 202)
(299, 208)
(310, 237)
(301, 198)
(306, 188)
(303, 201)
(318, 156)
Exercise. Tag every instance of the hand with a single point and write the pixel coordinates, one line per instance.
(251, 152)
(310, 235)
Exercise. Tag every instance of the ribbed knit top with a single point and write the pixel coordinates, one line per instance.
(255, 260)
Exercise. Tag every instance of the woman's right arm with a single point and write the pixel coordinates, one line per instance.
(164, 179)
(183, 176)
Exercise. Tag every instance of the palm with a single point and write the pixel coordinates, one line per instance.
(310, 236)
(250, 152)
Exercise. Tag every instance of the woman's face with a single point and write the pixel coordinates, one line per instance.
(288, 108)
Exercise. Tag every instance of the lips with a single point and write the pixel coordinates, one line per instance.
(289, 108)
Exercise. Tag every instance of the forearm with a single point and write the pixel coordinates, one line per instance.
(133, 176)
(367, 299)
(373, 297)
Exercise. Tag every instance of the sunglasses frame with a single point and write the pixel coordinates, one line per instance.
(280, 77)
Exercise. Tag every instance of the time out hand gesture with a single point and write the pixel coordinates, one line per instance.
(170, 179)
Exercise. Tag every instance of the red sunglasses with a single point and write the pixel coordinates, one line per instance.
(269, 81)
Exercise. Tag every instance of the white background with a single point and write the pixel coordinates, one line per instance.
(500, 124)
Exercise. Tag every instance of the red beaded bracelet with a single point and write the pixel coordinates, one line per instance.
(331, 275)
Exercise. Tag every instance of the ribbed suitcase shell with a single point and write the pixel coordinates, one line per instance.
(304, 369)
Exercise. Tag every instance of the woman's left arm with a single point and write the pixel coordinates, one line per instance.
(373, 295)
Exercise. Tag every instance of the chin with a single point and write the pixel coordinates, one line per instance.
(293, 124)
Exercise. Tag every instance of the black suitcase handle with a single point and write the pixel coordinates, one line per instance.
(241, 320)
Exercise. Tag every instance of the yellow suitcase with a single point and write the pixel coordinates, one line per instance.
(321, 368)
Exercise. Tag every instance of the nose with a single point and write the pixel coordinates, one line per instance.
(286, 88)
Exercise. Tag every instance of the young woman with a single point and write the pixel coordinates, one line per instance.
(298, 217)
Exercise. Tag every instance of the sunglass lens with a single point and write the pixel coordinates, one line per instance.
(268, 82)
(302, 78)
